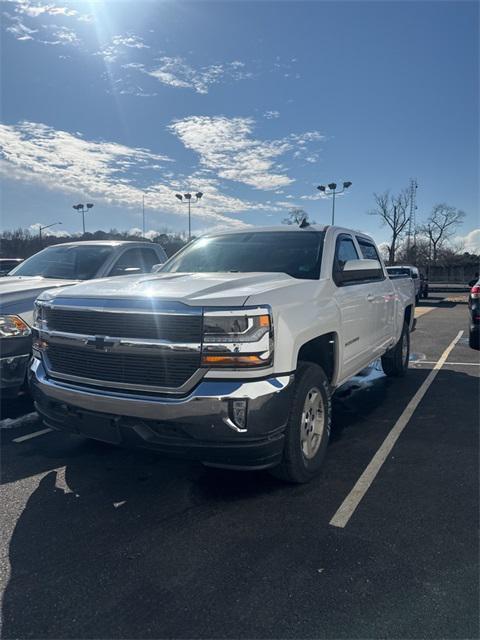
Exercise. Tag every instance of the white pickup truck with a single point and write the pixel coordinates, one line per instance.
(230, 353)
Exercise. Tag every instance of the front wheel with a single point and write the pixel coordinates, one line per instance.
(395, 360)
(308, 427)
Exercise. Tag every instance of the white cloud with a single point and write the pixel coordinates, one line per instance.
(271, 115)
(61, 36)
(226, 146)
(20, 30)
(130, 41)
(108, 171)
(175, 72)
(470, 242)
(46, 33)
(34, 10)
(119, 45)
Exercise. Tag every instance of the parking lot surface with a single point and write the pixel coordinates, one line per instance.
(102, 542)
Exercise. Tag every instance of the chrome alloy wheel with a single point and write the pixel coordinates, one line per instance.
(313, 423)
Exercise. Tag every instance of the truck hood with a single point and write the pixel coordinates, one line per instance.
(206, 289)
(18, 293)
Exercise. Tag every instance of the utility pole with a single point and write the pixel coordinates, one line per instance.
(412, 222)
(143, 216)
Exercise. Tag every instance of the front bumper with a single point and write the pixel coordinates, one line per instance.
(198, 426)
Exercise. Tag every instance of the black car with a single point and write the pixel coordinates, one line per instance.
(474, 310)
(423, 286)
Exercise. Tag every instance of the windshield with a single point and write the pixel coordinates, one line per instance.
(65, 262)
(296, 253)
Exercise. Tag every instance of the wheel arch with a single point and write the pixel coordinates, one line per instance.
(322, 350)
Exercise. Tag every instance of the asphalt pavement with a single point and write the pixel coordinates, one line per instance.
(102, 542)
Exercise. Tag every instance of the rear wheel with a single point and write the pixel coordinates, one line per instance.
(308, 428)
(395, 360)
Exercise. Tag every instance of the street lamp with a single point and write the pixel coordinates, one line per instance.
(45, 226)
(332, 191)
(187, 198)
(81, 207)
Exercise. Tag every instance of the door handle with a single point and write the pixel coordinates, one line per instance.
(370, 297)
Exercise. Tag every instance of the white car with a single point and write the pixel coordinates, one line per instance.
(230, 353)
(57, 266)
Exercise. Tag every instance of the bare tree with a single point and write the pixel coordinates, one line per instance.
(393, 212)
(296, 215)
(441, 226)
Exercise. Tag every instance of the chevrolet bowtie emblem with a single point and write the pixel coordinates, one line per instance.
(101, 343)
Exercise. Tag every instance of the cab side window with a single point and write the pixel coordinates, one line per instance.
(134, 261)
(369, 252)
(344, 250)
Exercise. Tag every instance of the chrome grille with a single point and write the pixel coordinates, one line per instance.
(173, 328)
(165, 369)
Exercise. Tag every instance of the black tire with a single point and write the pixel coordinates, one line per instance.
(425, 295)
(417, 299)
(395, 360)
(474, 340)
(296, 466)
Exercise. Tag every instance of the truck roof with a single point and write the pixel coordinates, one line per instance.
(289, 227)
(110, 243)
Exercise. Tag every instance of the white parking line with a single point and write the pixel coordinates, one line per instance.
(351, 502)
(31, 435)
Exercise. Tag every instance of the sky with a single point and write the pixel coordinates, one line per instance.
(252, 103)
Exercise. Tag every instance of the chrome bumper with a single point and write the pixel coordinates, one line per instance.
(205, 414)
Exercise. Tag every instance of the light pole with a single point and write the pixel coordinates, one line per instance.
(81, 207)
(143, 216)
(187, 197)
(45, 226)
(332, 191)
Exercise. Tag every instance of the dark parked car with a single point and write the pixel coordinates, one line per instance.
(7, 264)
(58, 266)
(474, 310)
(423, 286)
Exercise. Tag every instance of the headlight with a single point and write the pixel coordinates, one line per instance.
(237, 338)
(39, 316)
(13, 327)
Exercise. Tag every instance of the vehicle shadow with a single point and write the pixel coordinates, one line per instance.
(15, 407)
(122, 543)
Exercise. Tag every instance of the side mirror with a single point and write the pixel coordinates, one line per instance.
(156, 267)
(358, 270)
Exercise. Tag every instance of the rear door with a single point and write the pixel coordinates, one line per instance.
(381, 297)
